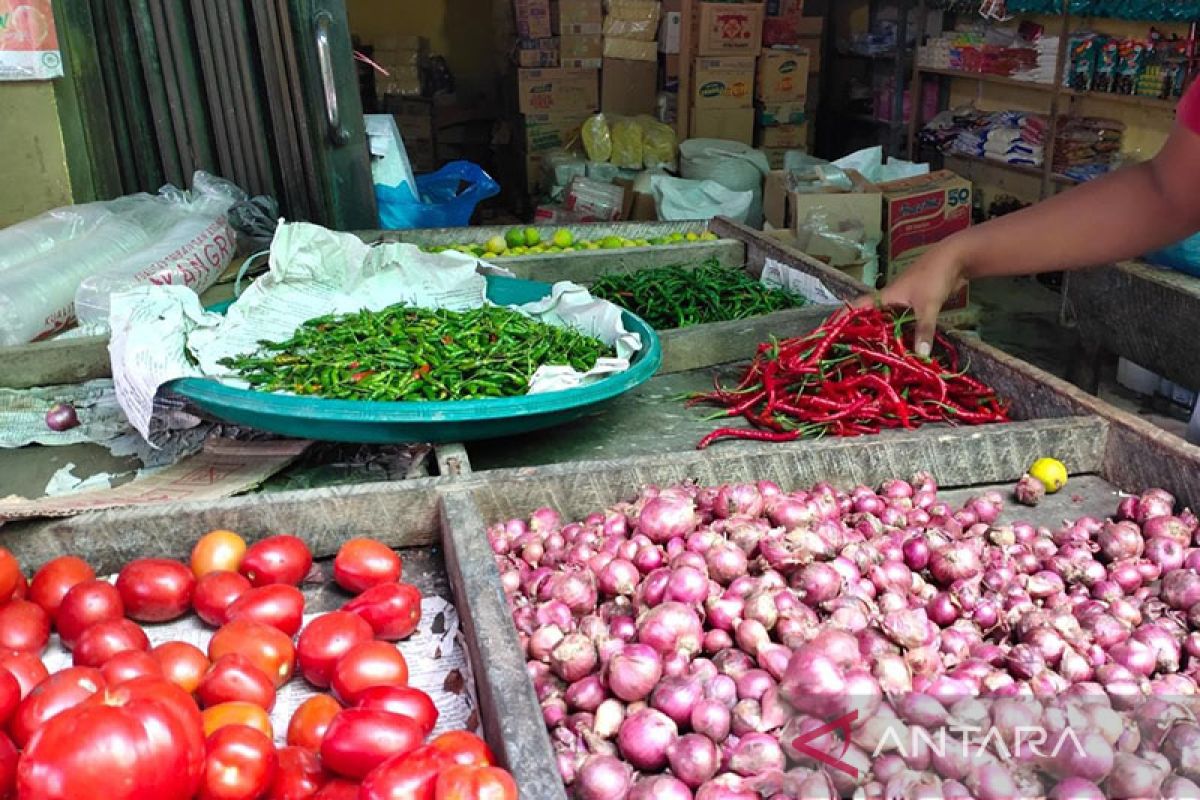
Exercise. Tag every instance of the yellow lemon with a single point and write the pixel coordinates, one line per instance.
(692, 236)
(1050, 472)
(563, 238)
(497, 244)
(708, 236)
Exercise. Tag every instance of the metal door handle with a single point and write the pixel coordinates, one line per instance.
(337, 134)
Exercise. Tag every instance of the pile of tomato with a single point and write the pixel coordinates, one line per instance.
(172, 722)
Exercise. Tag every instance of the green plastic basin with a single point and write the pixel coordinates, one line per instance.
(432, 421)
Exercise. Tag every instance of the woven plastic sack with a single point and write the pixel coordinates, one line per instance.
(597, 138)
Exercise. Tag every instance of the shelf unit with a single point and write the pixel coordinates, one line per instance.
(888, 132)
(1059, 96)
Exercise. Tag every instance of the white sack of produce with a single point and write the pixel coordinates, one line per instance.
(161, 333)
(66, 262)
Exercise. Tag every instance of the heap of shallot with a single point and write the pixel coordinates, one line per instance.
(680, 645)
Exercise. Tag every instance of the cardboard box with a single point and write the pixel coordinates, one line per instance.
(414, 119)
(791, 137)
(401, 80)
(538, 52)
(551, 131)
(794, 30)
(581, 63)
(922, 211)
(557, 90)
(628, 87)
(670, 32)
(630, 49)
(576, 47)
(580, 12)
(782, 76)
(632, 19)
(389, 42)
(862, 209)
(732, 124)
(723, 82)
(782, 114)
(785, 8)
(728, 28)
(532, 18)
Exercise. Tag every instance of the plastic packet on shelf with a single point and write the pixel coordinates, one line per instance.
(594, 201)
(597, 138)
(844, 245)
(560, 166)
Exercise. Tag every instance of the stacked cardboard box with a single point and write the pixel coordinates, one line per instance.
(404, 58)
(728, 38)
(415, 119)
(920, 212)
(553, 104)
(579, 24)
(781, 89)
(629, 78)
(536, 45)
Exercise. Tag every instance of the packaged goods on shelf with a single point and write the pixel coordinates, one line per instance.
(1152, 67)
(532, 18)
(632, 19)
(593, 200)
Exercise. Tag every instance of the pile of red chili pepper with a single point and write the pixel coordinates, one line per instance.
(854, 375)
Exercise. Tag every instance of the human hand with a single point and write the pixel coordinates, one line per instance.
(923, 287)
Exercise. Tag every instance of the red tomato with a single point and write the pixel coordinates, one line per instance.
(64, 689)
(57, 577)
(407, 701)
(24, 626)
(236, 712)
(27, 668)
(270, 649)
(324, 640)
(310, 720)
(363, 563)
(411, 776)
(365, 665)
(215, 593)
(86, 604)
(358, 740)
(130, 664)
(10, 696)
(277, 559)
(235, 677)
(140, 740)
(8, 767)
(100, 642)
(10, 575)
(22, 589)
(299, 776)
(217, 551)
(156, 589)
(277, 605)
(338, 789)
(392, 609)
(475, 783)
(465, 748)
(182, 664)
(240, 764)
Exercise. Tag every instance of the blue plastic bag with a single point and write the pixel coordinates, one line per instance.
(448, 198)
(1182, 257)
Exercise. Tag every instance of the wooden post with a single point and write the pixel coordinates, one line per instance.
(683, 106)
(1060, 69)
(918, 83)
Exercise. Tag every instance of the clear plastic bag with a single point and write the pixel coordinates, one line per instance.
(627, 135)
(660, 147)
(597, 138)
(100, 248)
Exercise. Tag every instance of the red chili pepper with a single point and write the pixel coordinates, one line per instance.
(358, 376)
(748, 433)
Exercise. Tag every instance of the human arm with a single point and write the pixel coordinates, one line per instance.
(1129, 213)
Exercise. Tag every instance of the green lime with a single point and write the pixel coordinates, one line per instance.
(563, 238)
(532, 237)
(515, 237)
(611, 242)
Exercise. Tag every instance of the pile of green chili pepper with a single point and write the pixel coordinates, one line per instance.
(406, 353)
(854, 375)
(676, 296)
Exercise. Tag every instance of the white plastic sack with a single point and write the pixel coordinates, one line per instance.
(683, 199)
(871, 165)
(734, 165)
